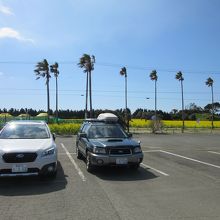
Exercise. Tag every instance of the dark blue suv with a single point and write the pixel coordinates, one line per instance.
(103, 141)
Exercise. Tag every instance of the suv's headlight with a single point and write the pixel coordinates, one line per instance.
(49, 151)
(137, 150)
(99, 150)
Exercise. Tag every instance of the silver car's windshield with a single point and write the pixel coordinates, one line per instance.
(106, 131)
(24, 131)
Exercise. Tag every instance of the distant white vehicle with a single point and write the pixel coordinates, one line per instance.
(27, 148)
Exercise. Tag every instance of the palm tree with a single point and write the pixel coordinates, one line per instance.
(54, 69)
(209, 82)
(42, 70)
(123, 72)
(87, 62)
(179, 76)
(153, 76)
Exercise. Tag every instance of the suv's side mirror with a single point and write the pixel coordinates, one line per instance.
(83, 135)
(129, 135)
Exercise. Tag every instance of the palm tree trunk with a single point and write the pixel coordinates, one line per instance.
(126, 105)
(56, 101)
(48, 100)
(155, 99)
(90, 93)
(183, 125)
(212, 106)
(86, 107)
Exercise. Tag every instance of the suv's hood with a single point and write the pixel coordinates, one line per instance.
(113, 142)
(30, 145)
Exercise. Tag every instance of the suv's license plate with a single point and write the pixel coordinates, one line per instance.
(121, 160)
(19, 168)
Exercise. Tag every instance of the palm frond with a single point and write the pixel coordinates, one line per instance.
(86, 62)
(209, 82)
(123, 72)
(179, 76)
(153, 75)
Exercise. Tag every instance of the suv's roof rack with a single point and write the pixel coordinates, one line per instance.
(108, 117)
(103, 117)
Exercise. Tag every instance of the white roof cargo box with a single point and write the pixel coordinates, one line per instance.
(107, 117)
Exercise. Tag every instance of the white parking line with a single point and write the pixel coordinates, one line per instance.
(156, 170)
(74, 163)
(213, 152)
(65, 153)
(188, 158)
(149, 151)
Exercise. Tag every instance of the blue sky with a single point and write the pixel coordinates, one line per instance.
(142, 35)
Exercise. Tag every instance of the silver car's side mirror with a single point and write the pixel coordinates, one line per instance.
(54, 136)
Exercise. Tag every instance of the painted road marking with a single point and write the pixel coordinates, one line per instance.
(65, 153)
(213, 152)
(156, 170)
(150, 151)
(74, 163)
(188, 158)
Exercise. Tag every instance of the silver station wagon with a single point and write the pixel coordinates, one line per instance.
(27, 148)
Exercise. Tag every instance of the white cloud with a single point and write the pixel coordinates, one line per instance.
(6, 10)
(7, 32)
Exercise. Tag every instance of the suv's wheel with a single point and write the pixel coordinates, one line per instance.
(78, 153)
(89, 166)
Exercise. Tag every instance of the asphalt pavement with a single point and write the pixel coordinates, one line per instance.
(178, 179)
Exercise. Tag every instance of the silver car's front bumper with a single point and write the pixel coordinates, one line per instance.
(39, 166)
(115, 160)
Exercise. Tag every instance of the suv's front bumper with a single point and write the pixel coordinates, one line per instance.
(116, 160)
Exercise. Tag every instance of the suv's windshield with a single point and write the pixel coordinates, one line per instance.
(24, 131)
(106, 131)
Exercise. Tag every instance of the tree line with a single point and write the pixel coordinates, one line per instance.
(191, 112)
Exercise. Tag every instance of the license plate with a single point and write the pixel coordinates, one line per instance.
(19, 168)
(121, 160)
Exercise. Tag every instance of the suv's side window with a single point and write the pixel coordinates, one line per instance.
(85, 128)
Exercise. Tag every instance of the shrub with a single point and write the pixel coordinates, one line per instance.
(64, 129)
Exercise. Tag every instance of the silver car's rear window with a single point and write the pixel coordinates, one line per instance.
(24, 131)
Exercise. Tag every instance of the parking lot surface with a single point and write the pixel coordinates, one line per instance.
(179, 178)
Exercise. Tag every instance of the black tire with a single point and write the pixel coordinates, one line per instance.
(78, 154)
(48, 176)
(89, 166)
(52, 175)
(135, 166)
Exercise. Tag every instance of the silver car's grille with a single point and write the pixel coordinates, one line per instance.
(120, 151)
(19, 157)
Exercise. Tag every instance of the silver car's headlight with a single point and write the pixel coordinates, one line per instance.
(99, 150)
(48, 152)
(137, 150)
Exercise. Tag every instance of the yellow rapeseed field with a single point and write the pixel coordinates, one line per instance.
(142, 123)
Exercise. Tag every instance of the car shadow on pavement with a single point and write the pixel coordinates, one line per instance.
(123, 174)
(32, 185)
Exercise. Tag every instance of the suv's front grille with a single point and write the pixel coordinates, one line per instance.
(120, 151)
(19, 157)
